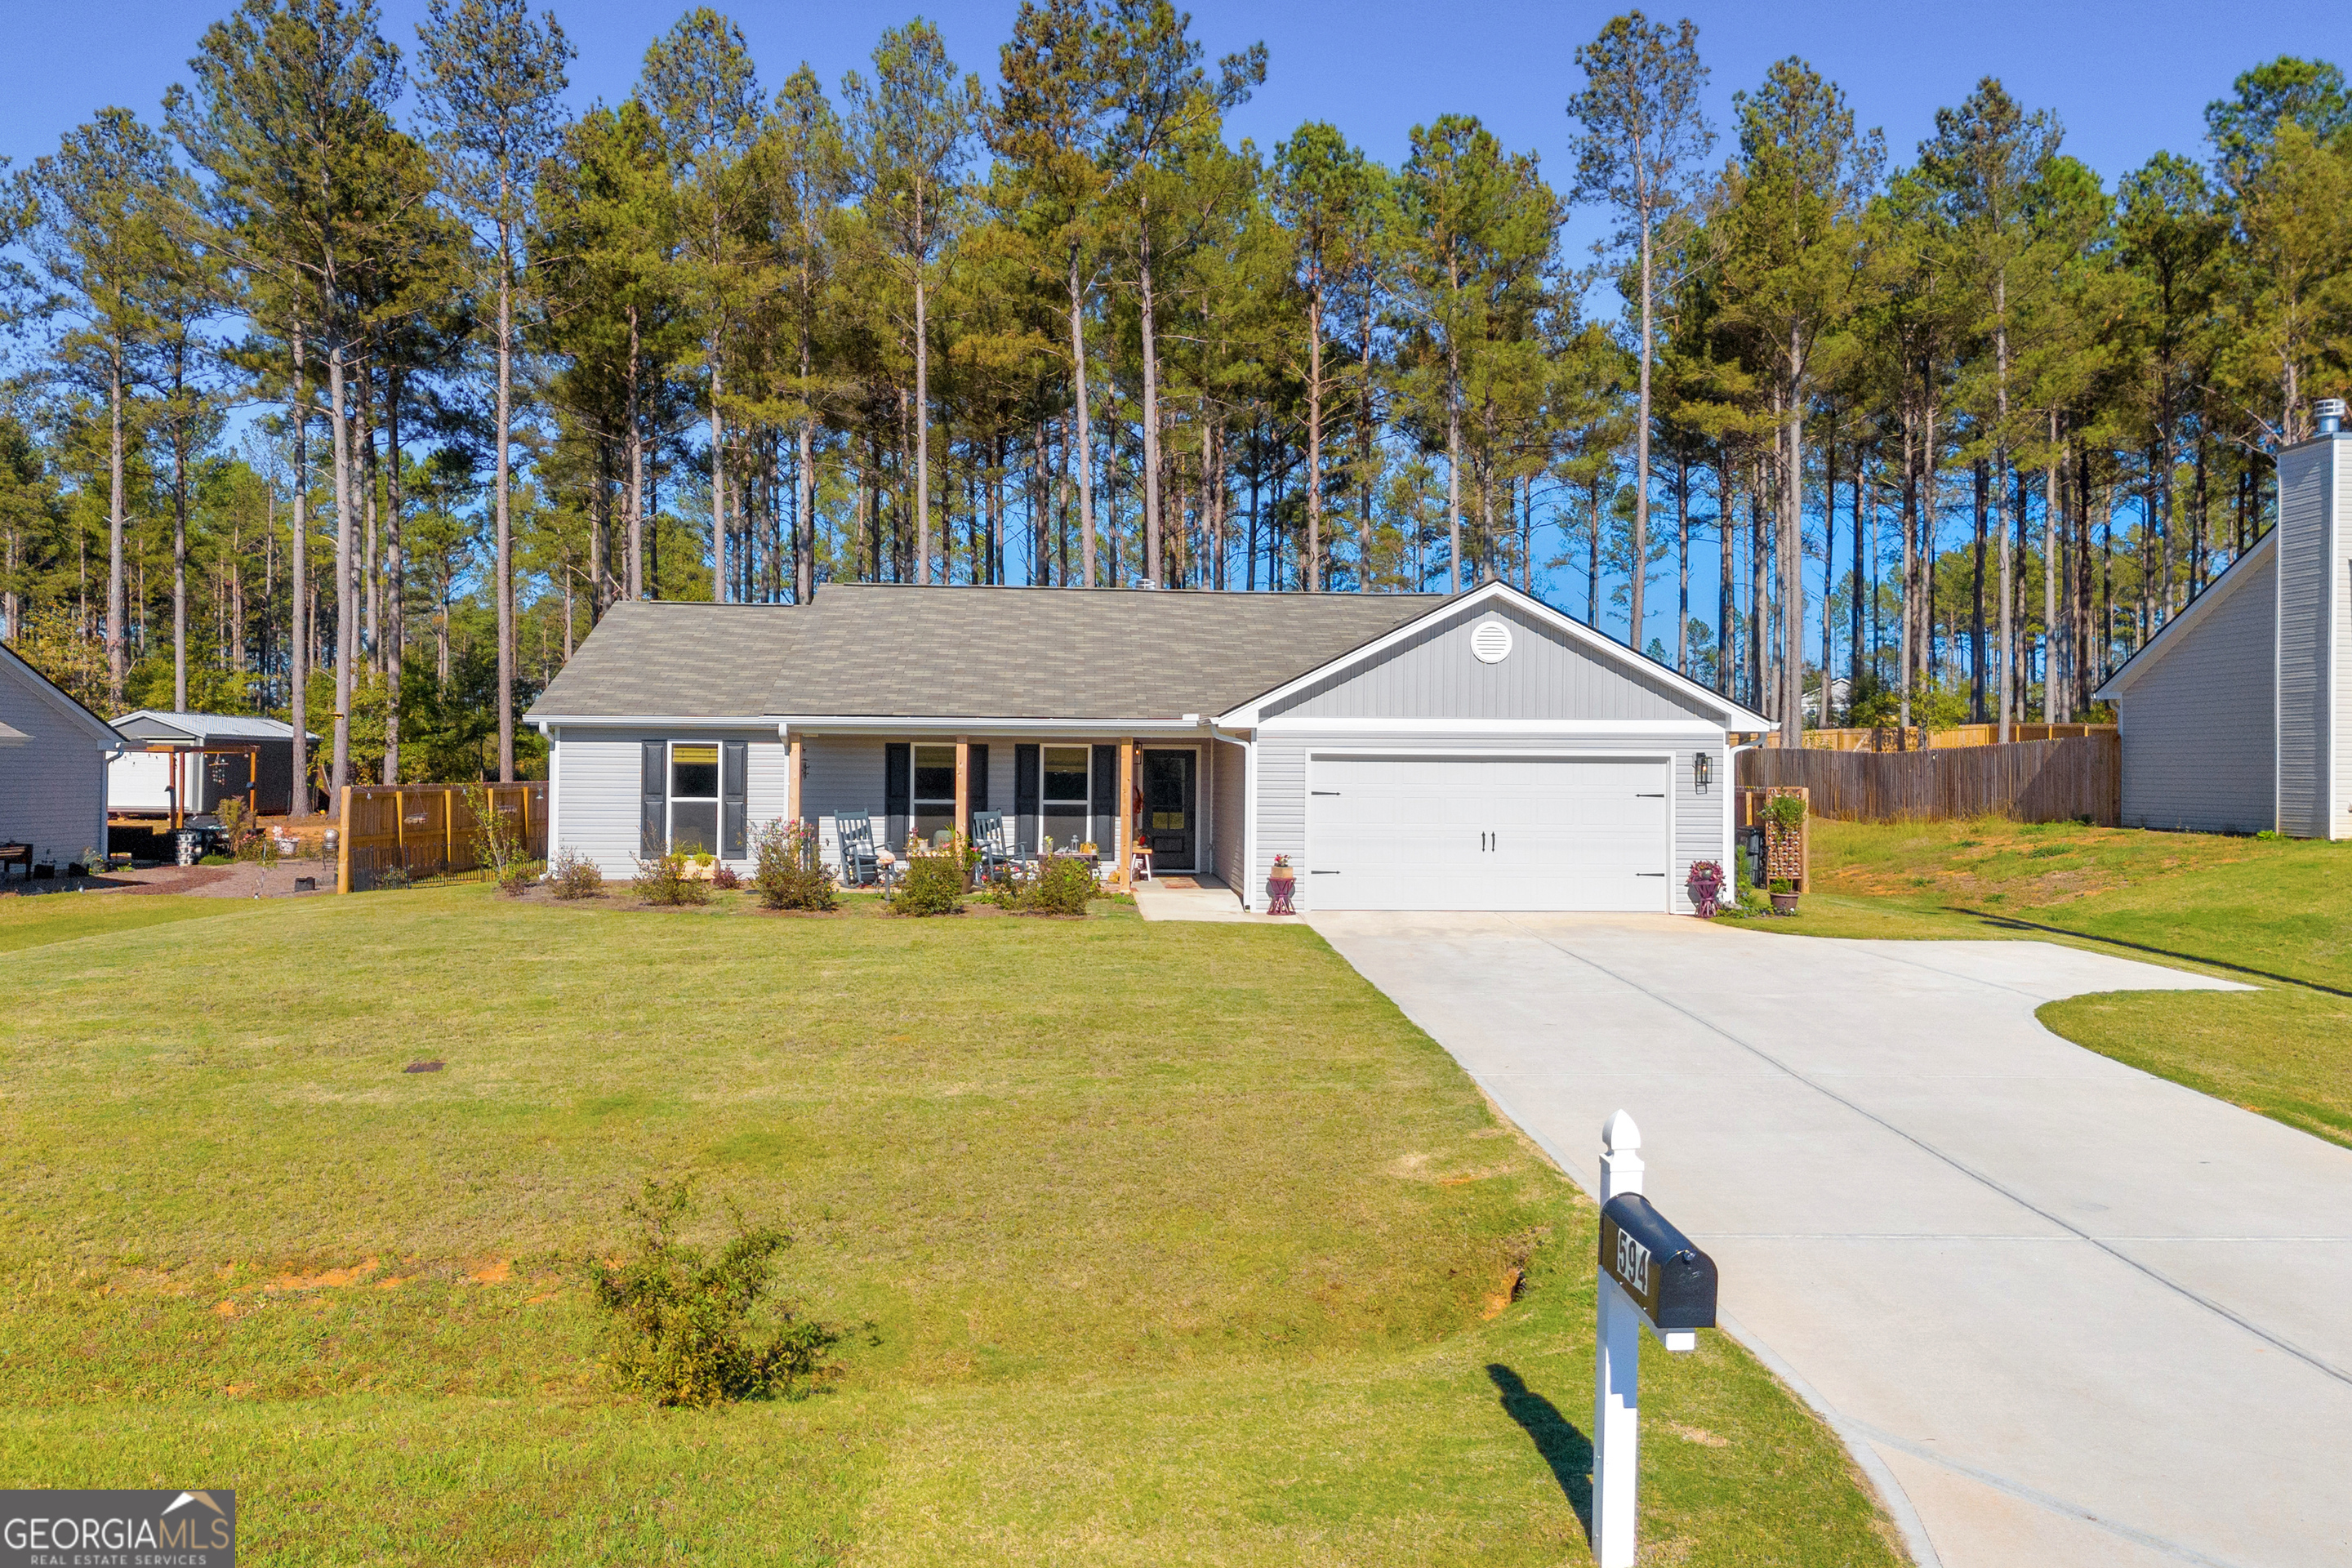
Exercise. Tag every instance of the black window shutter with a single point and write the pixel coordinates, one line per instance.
(898, 780)
(1106, 802)
(652, 818)
(978, 770)
(734, 757)
(1027, 783)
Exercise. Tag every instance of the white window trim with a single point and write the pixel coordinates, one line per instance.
(718, 800)
(1087, 772)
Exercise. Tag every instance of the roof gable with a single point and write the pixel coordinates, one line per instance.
(1558, 668)
(2247, 571)
(15, 667)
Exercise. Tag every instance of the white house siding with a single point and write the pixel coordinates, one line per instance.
(52, 787)
(596, 774)
(1434, 674)
(844, 772)
(1699, 815)
(2199, 749)
(2338, 599)
(2308, 479)
(1228, 812)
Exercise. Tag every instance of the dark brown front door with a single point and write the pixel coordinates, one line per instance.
(1171, 811)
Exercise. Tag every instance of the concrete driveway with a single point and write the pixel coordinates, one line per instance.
(2063, 1311)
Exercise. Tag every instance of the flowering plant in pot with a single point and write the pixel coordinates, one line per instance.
(1705, 887)
(1784, 896)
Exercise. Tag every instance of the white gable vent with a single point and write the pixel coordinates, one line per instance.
(1492, 641)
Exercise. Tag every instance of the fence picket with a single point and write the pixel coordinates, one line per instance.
(2061, 780)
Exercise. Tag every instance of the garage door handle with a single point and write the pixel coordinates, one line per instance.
(1646, 794)
(1322, 792)
(1649, 873)
(1335, 873)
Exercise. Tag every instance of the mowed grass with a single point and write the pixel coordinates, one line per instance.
(1156, 1243)
(35, 921)
(2274, 914)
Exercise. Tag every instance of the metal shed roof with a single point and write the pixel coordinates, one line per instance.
(161, 724)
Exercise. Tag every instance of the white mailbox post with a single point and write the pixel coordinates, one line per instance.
(1650, 1274)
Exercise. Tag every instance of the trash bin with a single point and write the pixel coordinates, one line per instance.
(1751, 846)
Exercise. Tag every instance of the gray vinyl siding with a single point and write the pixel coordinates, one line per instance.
(2306, 473)
(1432, 674)
(596, 775)
(2339, 598)
(52, 787)
(1698, 816)
(2199, 743)
(1228, 767)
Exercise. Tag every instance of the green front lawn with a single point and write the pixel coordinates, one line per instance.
(2274, 914)
(29, 919)
(1156, 1243)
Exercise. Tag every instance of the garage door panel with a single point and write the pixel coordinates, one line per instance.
(1436, 832)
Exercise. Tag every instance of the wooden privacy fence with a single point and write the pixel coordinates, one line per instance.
(2029, 781)
(426, 830)
(1895, 738)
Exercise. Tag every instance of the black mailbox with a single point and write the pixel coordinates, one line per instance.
(1670, 1280)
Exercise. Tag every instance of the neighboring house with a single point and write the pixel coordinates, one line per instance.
(2235, 717)
(194, 761)
(53, 767)
(1404, 750)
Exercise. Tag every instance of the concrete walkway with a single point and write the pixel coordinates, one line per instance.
(2063, 1311)
(1189, 898)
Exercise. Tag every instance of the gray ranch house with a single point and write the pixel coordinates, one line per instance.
(1405, 752)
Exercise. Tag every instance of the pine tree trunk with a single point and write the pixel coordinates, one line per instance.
(1792, 576)
(394, 647)
(1150, 406)
(179, 534)
(1084, 441)
(298, 608)
(636, 569)
(922, 433)
(347, 621)
(118, 608)
(1454, 464)
(504, 415)
(1315, 434)
(1726, 545)
(1638, 579)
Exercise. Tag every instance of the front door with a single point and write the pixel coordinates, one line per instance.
(1170, 816)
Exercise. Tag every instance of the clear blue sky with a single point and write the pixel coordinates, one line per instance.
(2126, 80)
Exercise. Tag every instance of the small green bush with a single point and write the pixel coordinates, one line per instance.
(200, 860)
(1785, 812)
(723, 878)
(691, 1330)
(931, 885)
(1782, 885)
(1061, 886)
(663, 880)
(788, 872)
(574, 876)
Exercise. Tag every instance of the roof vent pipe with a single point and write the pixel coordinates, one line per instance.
(2330, 411)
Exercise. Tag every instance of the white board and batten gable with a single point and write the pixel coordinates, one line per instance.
(1492, 753)
(52, 780)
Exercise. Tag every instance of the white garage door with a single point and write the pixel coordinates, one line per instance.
(1480, 833)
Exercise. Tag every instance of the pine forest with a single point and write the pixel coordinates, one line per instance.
(356, 379)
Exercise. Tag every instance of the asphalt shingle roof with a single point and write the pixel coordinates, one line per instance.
(1011, 653)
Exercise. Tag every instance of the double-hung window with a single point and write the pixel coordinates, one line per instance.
(1062, 800)
(934, 793)
(694, 797)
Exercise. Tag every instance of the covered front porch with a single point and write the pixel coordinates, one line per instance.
(1056, 792)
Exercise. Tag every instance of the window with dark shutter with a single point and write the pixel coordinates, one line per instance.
(1106, 797)
(978, 770)
(653, 816)
(733, 833)
(1024, 798)
(898, 767)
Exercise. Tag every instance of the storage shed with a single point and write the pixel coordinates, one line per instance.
(193, 761)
